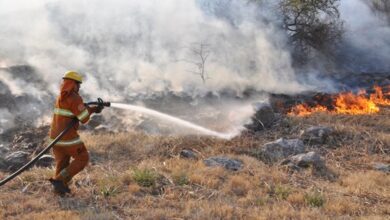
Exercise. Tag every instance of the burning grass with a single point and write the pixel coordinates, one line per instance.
(138, 176)
(347, 103)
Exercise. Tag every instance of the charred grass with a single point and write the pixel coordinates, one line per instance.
(138, 176)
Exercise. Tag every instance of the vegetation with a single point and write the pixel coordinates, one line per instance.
(181, 179)
(145, 177)
(381, 7)
(199, 54)
(138, 176)
(281, 192)
(314, 26)
(314, 199)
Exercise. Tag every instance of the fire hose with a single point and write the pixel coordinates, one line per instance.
(99, 103)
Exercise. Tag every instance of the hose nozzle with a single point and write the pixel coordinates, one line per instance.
(100, 102)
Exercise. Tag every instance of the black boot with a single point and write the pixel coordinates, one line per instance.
(59, 186)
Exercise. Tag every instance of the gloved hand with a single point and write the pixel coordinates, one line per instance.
(97, 109)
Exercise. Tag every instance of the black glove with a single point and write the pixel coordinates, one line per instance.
(98, 109)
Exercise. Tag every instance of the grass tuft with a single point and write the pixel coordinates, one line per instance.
(107, 191)
(181, 179)
(314, 199)
(280, 191)
(109, 185)
(145, 177)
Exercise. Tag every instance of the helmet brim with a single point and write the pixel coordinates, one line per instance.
(72, 79)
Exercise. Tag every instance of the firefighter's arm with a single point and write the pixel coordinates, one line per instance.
(94, 109)
(80, 110)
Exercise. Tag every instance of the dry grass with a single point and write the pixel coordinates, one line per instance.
(137, 176)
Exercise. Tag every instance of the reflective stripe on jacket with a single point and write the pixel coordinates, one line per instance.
(65, 112)
(69, 142)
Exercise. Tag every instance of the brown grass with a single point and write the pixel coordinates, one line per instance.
(187, 189)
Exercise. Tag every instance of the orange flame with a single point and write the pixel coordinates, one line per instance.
(348, 103)
(304, 110)
(379, 98)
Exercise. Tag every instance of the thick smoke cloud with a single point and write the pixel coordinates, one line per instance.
(144, 46)
(135, 48)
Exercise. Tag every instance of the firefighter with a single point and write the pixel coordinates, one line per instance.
(69, 105)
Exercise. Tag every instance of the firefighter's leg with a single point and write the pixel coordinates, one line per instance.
(80, 159)
(62, 161)
(61, 157)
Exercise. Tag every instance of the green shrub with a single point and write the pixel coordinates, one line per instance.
(108, 185)
(107, 191)
(145, 177)
(281, 192)
(314, 199)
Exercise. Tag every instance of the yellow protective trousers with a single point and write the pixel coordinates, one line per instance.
(65, 168)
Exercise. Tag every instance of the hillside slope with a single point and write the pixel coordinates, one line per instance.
(139, 176)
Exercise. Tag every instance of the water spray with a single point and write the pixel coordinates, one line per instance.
(178, 121)
(166, 117)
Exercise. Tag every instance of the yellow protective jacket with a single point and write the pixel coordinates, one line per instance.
(68, 105)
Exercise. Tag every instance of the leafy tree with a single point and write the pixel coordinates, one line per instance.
(314, 26)
(381, 7)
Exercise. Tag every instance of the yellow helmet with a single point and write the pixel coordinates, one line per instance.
(74, 76)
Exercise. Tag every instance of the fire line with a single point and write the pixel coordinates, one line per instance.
(348, 103)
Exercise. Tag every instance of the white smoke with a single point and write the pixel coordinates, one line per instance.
(6, 120)
(126, 47)
(367, 37)
(11, 83)
(19, 86)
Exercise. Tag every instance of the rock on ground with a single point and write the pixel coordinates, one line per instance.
(188, 154)
(281, 149)
(305, 160)
(16, 159)
(382, 167)
(45, 161)
(316, 134)
(310, 159)
(227, 163)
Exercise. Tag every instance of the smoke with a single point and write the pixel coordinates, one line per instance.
(366, 46)
(12, 85)
(194, 48)
(134, 47)
(6, 120)
(128, 47)
(19, 87)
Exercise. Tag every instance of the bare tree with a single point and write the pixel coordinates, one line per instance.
(199, 53)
